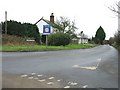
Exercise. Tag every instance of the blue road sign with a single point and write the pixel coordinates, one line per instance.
(46, 29)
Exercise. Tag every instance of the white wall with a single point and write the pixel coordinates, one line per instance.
(40, 26)
(83, 41)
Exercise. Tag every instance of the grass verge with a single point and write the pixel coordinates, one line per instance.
(116, 46)
(44, 48)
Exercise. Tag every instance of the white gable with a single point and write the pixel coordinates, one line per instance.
(40, 26)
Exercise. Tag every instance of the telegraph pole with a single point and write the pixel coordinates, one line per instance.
(6, 22)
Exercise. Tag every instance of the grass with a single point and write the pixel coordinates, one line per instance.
(44, 48)
(117, 47)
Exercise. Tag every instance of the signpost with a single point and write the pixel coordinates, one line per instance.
(46, 31)
(31, 40)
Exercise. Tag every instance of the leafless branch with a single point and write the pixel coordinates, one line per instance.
(114, 9)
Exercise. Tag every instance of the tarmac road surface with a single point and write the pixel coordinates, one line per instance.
(84, 68)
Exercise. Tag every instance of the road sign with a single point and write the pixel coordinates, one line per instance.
(46, 29)
(30, 40)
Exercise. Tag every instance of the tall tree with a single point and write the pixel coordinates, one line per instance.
(64, 23)
(100, 35)
(66, 26)
(116, 9)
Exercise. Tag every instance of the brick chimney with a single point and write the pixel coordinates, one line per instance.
(52, 18)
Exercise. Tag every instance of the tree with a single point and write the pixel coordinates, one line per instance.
(100, 35)
(21, 29)
(67, 26)
(59, 39)
(117, 11)
(117, 38)
(111, 40)
(63, 23)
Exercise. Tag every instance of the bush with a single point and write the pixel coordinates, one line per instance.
(15, 40)
(117, 38)
(21, 29)
(59, 39)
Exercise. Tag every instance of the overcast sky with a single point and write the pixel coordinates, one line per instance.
(88, 14)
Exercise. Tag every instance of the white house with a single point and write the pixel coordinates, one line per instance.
(82, 38)
(43, 22)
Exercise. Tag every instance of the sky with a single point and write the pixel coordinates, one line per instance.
(89, 15)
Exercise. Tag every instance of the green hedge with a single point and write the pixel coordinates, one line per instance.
(59, 39)
(21, 29)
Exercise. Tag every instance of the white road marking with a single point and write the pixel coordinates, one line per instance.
(72, 83)
(50, 83)
(33, 73)
(41, 80)
(51, 78)
(75, 66)
(67, 87)
(39, 75)
(24, 76)
(99, 59)
(30, 77)
(36, 78)
(85, 86)
(89, 68)
(58, 80)
(98, 62)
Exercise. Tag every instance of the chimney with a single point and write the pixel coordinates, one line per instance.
(52, 18)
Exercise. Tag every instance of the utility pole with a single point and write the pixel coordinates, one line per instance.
(6, 22)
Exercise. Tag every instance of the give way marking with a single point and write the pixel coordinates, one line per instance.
(89, 68)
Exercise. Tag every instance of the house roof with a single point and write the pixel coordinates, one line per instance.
(84, 37)
(54, 25)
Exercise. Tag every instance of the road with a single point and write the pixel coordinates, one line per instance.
(84, 68)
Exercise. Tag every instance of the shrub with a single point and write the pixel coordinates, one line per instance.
(21, 30)
(117, 38)
(59, 39)
(15, 40)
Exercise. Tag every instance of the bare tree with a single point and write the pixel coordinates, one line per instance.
(116, 8)
(117, 11)
(64, 22)
(65, 25)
